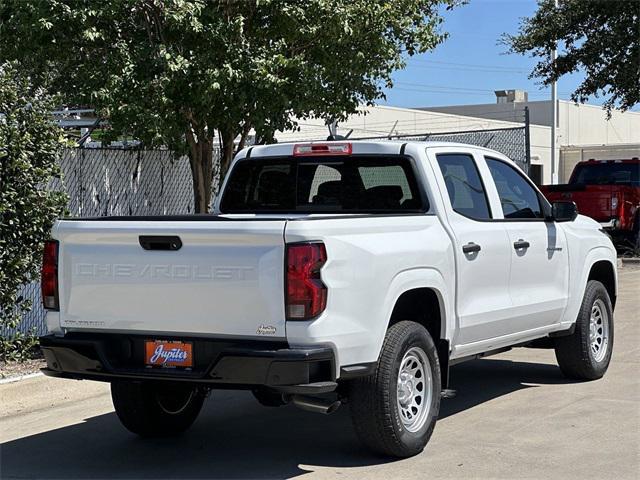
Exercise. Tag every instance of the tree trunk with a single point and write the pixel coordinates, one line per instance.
(246, 128)
(201, 161)
(228, 150)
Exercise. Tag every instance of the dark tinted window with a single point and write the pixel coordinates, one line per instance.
(608, 173)
(331, 185)
(518, 198)
(464, 186)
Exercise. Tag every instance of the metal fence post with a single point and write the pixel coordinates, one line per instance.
(527, 140)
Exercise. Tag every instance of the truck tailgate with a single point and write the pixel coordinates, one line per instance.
(227, 278)
(592, 200)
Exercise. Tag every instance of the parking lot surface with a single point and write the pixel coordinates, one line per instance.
(515, 416)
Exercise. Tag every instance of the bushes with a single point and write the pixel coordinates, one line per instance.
(19, 347)
(29, 146)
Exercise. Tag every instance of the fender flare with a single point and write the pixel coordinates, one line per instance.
(421, 277)
(594, 255)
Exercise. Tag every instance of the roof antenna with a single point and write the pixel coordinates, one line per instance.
(390, 134)
(333, 131)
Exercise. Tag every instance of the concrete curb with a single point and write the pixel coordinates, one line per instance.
(631, 261)
(20, 377)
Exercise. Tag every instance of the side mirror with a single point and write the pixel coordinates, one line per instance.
(564, 211)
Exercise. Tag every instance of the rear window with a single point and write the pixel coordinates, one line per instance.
(327, 185)
(608, 173)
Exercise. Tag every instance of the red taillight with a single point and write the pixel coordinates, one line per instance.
(49, 275)
(315, 149)
(306, 294)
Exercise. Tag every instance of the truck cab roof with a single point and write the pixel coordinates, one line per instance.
(357, 147)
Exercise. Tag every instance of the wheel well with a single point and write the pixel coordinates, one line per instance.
(603, 272)
(422, 305)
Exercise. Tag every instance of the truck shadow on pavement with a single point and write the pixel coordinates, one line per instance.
(235, 437)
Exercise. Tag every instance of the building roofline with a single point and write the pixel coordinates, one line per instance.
(594, 146)
(515, 104)
(522, 105)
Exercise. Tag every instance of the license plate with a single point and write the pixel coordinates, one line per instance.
(168, 353)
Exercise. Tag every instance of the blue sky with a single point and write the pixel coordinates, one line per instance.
(470, 65)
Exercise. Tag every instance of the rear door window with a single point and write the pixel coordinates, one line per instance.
(328, 185)
(464, 186)
(518, 198)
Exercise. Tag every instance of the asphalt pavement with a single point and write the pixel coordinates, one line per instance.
(514, 416)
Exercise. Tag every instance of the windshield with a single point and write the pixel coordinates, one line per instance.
(328, 185)
(608, 173)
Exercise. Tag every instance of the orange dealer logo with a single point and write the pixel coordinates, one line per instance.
(168, 354)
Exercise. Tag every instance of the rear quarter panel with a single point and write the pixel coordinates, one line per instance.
(371, 262)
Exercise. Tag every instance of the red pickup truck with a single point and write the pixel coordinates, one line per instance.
(607, 191)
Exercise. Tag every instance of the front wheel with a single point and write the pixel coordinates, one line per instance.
(156, 409)
(394, 410)
(585, 355)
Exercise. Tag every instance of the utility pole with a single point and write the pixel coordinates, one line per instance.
(527, 140)
(554, 120)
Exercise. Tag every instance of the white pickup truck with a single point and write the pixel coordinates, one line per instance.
(329, 273)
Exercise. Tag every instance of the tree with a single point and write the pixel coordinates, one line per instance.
(29, 146)
(174, 72)
(600, 37)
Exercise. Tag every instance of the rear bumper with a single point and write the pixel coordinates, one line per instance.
(615, 224)
(218, 363)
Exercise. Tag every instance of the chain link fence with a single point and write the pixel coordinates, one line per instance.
(512, 142)
(105, 182)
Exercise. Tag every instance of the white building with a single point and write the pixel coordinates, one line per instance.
(380, 121)
(383, 121)
(583, 130)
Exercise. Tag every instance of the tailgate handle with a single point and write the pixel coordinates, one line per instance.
(160, 242)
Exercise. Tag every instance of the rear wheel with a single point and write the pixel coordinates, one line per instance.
(585, 355)
(156, 409)
(394, 410)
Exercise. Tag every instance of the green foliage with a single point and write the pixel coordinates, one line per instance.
(172, 72)
(602, 38)
(29, 146)
(20, 347)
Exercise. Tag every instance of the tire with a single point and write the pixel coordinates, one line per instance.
(379, 404)
(269, 398)
(156, 409)
(585, 354)
(635, 236)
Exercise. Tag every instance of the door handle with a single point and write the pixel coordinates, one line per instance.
(521, 244)
(471, 248)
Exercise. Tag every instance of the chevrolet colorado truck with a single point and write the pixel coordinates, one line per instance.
(329, 273)
(609, 192)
